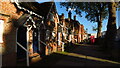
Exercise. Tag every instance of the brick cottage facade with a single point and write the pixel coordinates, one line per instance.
(13, 32)
(29, 32)
(9, 32)
(75, 31)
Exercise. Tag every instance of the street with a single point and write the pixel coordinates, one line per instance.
(81, 55)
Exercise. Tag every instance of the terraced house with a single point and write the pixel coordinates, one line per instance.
(31, 30)
(71, 29)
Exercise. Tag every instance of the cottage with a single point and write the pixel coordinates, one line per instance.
(73, 31)
(31, 30)
(25, 30)
(70, 26)
(62, 33)
(77, 30)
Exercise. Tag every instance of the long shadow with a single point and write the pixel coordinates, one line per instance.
(68, 60)
(51, 60)
(90, 51)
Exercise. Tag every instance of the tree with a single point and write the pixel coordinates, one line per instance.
(111, 27)
(95, 11)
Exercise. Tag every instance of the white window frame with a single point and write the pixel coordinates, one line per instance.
(1, 30)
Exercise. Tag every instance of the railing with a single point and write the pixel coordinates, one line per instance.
(45, 44)
(27, 52)
(22, 47)
(62, 44)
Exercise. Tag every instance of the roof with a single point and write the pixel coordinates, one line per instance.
(67, 20)
(39, 8)
(76, 23)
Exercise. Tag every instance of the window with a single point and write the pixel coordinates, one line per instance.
(1, 30)
(47, 34)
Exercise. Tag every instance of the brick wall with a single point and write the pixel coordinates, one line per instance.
(82, 32)
(52, 27)
(9, 34)
(79, 34)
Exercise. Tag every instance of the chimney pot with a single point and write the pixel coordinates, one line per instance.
(69, 14)
(74, 17)
(62, 15)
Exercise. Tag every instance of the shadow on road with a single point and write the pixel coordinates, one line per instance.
(92, 50)
(79, 56)
(71, 59)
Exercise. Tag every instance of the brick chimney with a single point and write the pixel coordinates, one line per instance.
(62, 15)
(75, 17)
(69, 14)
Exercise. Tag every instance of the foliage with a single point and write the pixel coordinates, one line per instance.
(95, 11)
(92, 9)
(118, 5)
(94, 28)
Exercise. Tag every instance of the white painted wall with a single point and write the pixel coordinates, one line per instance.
(1, 30)
(1, 36)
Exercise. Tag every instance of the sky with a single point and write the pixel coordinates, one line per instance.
(82, 19)
(87, 24)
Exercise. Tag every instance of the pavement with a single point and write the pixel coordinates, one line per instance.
(81, 56)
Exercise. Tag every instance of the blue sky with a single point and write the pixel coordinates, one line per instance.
(87, 24)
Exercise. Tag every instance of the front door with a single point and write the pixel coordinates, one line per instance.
(21, 39)
(35, 41)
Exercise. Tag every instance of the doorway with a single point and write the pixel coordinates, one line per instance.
(35, 41)
(21, 39)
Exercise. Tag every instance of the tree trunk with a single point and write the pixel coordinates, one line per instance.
(99, 21)
(98, 41)
(111, 27)
(99, 29)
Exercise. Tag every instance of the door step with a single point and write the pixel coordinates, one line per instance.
(35, 59)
